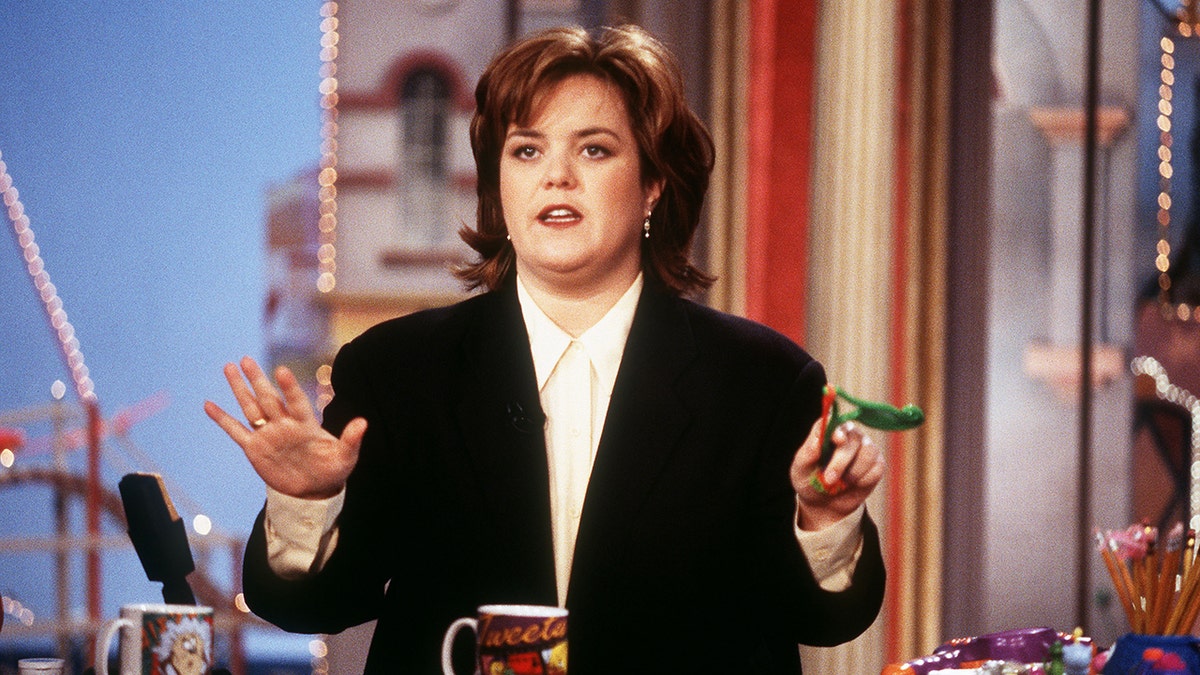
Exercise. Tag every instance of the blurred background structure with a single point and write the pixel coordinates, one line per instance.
(900, 188)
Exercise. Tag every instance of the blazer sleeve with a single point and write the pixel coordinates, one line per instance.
(799, 608)
(349, 589)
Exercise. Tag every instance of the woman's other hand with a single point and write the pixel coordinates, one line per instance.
(830, 494)
(284, 441)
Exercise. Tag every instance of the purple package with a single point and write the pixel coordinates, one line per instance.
(1023, 645)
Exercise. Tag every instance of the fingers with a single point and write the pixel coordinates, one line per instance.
(266, 396)
(249, 400)
(804, 463)
(241, 392)
(293, 395)
(239, 433)
(352, 434)
(856, 460)
(848, 439)
(810, 450)
(260, 400)
(856, 464)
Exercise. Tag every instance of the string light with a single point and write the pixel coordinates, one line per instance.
(1147, 365)
(46, 290)
(327, 177)
(1162, 256)
(10, 440)
(319, 650)
(202, 524)
(15, 609)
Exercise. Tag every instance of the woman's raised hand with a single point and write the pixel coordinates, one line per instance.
(284, 442)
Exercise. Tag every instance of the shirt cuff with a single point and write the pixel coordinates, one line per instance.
(301, 533)
(833, 552)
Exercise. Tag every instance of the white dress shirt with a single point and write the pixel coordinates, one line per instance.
(575, 378)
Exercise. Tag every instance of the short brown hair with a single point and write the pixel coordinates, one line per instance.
(673, 144)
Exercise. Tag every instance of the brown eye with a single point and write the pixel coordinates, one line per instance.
(596, 151)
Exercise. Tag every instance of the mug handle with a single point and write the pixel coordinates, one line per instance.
(103, 640)
(448, 642)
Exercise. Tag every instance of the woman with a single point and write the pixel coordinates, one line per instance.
(461, 461)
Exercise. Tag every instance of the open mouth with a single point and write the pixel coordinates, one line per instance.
(559, 215)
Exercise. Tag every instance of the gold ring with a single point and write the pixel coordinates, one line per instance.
(258, 423)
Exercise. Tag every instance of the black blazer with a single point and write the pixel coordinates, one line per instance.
(685, 559)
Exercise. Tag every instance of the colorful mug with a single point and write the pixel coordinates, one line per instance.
(513, 640)
(158, 639)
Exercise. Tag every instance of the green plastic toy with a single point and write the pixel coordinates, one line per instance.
(873, 414)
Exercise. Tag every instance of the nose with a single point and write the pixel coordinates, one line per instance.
(560, 172)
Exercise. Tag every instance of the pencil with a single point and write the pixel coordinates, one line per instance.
(1118, 579)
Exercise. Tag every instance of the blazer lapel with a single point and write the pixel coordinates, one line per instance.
(502, 424)
(645, 419)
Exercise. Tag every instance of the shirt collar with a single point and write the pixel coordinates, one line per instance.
(604, 342)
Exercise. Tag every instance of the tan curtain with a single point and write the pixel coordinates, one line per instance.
(725, 229)
(850, 231)
(916, 495)
(876, 289)
(878, 279)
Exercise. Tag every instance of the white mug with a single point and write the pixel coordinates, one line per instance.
(159, 639)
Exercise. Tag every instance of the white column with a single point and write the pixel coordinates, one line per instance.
(1057, 359)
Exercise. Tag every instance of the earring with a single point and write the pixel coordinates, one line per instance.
(646, 227)
(508, 237)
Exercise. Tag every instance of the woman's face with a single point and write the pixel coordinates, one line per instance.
(571, 190)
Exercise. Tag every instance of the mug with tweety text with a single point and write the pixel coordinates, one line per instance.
(513, 640)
